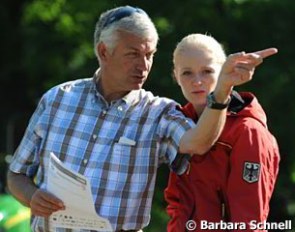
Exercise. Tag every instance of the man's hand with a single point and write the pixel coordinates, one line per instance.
(239, 69)
(44, 204)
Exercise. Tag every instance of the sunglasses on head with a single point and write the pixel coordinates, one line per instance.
(123, 12)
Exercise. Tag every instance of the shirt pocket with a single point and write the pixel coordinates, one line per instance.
(139, 157)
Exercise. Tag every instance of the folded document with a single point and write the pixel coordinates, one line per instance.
(75, 192)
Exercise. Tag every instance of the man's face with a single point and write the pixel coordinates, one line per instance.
(128, 66)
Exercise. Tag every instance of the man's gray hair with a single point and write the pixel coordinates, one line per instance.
(137, 23)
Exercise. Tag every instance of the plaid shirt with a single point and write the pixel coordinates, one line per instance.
(75, 122)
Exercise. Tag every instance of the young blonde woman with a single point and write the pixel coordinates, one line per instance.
(228, 188)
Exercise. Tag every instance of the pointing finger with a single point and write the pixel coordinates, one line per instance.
(266, 52)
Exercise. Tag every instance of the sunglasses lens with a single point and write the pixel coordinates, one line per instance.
(121, 13)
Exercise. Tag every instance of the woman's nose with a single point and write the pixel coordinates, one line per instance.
(197, 80)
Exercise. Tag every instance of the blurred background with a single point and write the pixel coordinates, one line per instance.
(46, 42)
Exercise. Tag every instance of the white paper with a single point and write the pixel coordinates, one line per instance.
(75, 192)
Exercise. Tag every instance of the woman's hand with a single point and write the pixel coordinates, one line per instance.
(239, 69)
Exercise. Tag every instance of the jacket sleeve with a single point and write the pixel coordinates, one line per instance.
(179, 198)
(254, 169)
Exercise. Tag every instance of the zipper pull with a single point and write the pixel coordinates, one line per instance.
(223, 210)
(188, 169)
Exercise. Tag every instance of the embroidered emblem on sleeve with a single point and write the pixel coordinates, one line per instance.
(251, 172)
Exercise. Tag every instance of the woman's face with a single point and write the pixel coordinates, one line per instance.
(196, 72)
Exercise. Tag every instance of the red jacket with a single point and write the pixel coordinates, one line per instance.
(234, 181)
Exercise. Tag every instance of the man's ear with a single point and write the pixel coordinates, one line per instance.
(101, 50)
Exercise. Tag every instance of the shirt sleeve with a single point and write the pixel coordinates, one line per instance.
(26, 159)
(254, 168)
(172, 126)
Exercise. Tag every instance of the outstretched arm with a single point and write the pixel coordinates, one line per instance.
(237, 70)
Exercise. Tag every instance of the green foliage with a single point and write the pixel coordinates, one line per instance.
(51, 41)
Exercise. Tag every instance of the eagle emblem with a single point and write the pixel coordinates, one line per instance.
(251, 172)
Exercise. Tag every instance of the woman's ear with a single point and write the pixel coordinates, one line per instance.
(174, 76)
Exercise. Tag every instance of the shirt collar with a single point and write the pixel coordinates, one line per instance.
(130, 98)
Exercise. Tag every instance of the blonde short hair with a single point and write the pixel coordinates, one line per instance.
(201, 42)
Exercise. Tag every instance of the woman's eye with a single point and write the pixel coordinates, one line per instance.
(186, 73)
(208, 71)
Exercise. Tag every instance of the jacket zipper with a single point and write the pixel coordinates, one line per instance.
(223, 206)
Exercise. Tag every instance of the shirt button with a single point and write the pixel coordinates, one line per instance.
(120, 108)
(85, 161)
(104, 112)
(94, 137)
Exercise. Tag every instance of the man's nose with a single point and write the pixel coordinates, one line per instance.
(143, 63)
